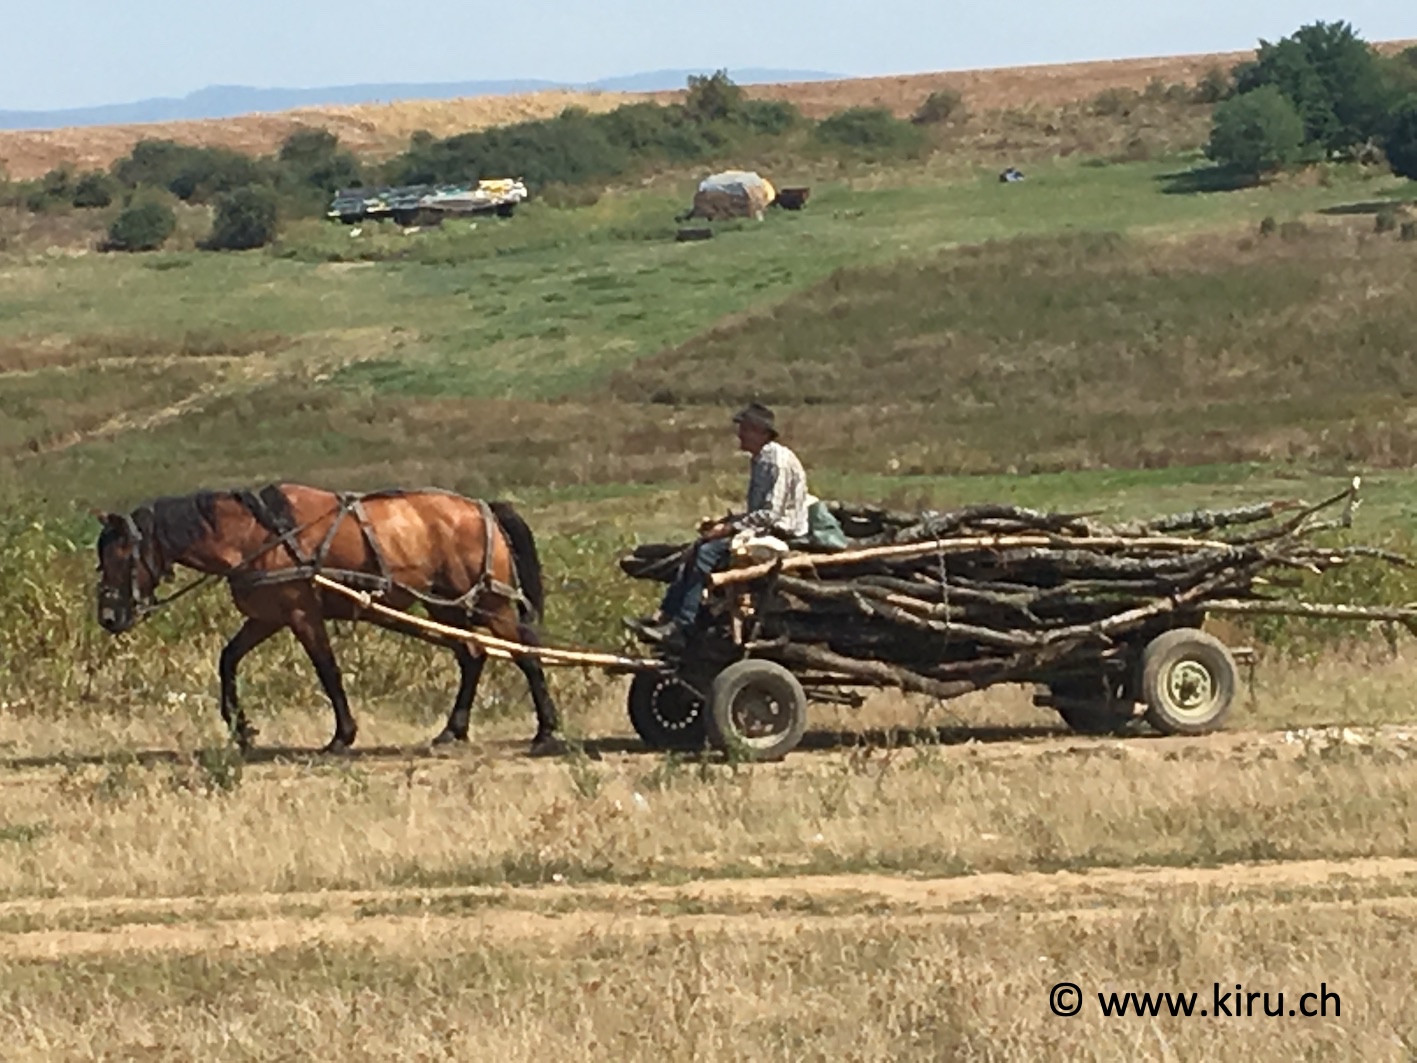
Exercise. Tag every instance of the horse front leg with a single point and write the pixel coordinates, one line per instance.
(252, 634)
(309, 628)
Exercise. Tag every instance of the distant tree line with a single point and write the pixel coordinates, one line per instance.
(1321, 94)
(250, 194)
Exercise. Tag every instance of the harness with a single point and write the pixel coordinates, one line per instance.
(268, 508)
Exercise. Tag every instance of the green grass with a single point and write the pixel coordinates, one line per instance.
(549, 302)
(483, 358)
(1185, 362)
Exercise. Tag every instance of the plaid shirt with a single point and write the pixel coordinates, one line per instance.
(777, 494)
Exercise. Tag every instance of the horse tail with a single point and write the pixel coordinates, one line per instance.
(524, 555)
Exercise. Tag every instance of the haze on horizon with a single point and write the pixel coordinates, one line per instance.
(83, 53)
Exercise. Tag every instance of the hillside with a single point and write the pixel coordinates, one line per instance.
(379, 130)
(232, 101)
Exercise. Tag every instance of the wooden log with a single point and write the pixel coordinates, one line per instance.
(874, 671)
(502, 649)
(798, 562)
(1404, 614)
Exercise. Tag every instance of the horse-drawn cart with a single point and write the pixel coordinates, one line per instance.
(1106, 622)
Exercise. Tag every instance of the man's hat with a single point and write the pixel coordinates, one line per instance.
(755, 413)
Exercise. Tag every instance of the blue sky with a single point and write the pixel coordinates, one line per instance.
(72, 53)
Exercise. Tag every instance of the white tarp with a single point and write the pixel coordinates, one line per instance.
(739, 183)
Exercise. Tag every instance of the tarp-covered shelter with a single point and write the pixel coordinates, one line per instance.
(733, 194)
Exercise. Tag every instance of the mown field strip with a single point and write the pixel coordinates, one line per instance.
(402, 918)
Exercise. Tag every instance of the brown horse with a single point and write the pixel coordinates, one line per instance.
(458, 556)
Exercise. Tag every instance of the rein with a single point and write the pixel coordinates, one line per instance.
(143, 607)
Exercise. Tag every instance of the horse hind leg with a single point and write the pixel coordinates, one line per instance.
(547, 740)
(309, 628)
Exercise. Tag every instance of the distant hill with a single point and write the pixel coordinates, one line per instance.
(231, 101)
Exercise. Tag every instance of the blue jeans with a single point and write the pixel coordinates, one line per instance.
(682, 600)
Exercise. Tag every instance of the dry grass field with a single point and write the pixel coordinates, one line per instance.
(909, 885)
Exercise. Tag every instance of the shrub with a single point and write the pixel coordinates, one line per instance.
(942, 105)
(94, 189)
(714, 98)
(768, 117)
(1213, 87)
(141, 227)
(1386, 220)
(1114, 103)
(1256, 132)
(871, 128)
(245, 218)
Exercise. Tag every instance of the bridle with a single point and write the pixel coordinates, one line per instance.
(144, 604)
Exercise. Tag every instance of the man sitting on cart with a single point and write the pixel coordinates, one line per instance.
(778, 505)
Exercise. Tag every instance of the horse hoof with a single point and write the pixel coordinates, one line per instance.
(246, 738)
(337, 746)
(447, 738)
(547, 746)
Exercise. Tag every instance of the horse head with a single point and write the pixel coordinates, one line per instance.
(128, 572)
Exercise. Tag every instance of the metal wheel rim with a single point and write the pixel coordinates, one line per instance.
(688, 697)
(1190, 688)
(751, 710)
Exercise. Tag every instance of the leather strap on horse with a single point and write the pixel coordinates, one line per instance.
(349, 503)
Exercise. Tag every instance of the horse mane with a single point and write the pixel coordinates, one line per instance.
(176, 522)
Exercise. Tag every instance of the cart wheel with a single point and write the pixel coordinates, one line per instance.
(1084, 707)
(1091, 719)
(666, 712)
(1188, 681)
(758, 707)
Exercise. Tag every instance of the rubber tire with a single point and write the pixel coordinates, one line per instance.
(1091, 719)
(648, 718)
(770, 679)
(1085, 710)
(1194, 646)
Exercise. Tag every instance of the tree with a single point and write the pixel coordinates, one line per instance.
(1400, 143)
(245, 218)
(1256, 132)
(187, 171)
(1333, 78)
(142, 227)
(313, 157)
(712, 99)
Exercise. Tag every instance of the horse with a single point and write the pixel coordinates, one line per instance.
(456, 555)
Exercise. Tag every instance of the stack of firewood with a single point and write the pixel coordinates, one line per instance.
(941, 602)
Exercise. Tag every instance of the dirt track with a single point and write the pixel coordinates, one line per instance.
(405, 920)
